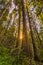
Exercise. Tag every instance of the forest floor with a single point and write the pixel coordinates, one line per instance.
(14, 59)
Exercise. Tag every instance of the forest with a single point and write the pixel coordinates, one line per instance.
(21, 32)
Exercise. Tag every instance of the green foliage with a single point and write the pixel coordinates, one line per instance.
(17, 2)
(5, 59)
(41, 54)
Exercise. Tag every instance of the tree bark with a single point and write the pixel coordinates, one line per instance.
(18, 28)
(25, 36)
(36, 54)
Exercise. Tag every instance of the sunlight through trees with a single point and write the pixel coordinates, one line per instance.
(21, 30)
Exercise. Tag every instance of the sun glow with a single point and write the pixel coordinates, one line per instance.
(21, 35)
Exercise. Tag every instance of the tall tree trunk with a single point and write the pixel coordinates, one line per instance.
(36, 54)
(37, 34)
(25, 36)
(19, 41)
(19, 28)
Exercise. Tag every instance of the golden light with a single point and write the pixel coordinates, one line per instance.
(21, 35)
